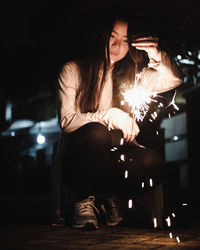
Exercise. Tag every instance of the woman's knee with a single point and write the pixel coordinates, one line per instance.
(93, 132)
(152, 159)
(153, 165)
(146, 162)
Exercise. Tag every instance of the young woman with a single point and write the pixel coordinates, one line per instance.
(93, 122)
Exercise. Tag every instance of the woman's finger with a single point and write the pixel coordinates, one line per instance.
(150, 44)
(141, 39)
(144, 48)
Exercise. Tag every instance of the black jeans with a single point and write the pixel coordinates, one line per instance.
(94, 164)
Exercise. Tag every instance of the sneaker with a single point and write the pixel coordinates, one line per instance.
(84, 216)
(110, 209)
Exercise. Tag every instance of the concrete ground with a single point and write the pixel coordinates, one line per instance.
(26, 224)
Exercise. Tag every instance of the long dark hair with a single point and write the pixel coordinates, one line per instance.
(94, 67)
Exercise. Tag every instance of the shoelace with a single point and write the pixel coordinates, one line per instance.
(87, 204)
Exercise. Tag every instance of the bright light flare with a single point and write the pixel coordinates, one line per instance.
(40, 139)
(139, 99)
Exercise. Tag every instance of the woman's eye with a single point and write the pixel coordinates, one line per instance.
(126, 41)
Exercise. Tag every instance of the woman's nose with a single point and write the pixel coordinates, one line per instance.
(116, 44)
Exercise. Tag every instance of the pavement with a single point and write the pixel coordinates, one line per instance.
(26, 224)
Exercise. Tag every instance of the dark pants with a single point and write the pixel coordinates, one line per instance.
(91, 167)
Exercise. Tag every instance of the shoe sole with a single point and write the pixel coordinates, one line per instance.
(87, 226)
(113, 224)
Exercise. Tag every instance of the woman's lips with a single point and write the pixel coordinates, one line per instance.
(113, 53)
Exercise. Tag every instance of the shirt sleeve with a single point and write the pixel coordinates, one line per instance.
(161, 76)
(70, 117)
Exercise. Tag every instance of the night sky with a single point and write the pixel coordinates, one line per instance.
(39, 36)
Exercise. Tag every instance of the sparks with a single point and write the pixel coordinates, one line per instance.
(122, 157)
(130, 203)
(126, 174)
(170, 235)
(151, 182)
(177, 239)
(168, 221)
(155, 222)
(160, 105)
(173, 102)
(121, 141)
(139, 99)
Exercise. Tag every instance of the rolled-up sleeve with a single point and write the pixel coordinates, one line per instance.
(70, 117)
(161, 76)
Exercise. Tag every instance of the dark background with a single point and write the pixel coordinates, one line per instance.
(37, 37)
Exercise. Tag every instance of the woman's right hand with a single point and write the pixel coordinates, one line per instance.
(130, 129)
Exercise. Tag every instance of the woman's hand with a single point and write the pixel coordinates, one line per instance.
(118, 119)
(150, 45)
(130, 129)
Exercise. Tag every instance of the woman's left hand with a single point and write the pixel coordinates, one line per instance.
(150, 45)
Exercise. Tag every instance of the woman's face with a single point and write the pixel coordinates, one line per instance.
(118, 44)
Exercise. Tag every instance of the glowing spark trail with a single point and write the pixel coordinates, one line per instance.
(155, 222)
(122, 157)
(177, 239)
(168, 221)
(121, 141)
(173, 102)
(130, 203)
(151, 182)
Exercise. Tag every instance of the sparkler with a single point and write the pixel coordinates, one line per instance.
(139, 99)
